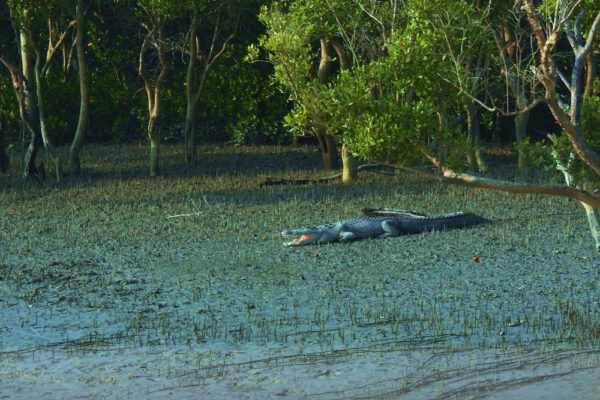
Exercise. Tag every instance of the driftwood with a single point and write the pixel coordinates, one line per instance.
(364, 167)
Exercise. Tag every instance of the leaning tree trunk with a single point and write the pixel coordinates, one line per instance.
(84, 93)
(593, 216)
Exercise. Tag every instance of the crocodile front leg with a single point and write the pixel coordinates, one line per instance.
(347, 236)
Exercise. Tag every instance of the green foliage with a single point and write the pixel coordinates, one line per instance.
(388, 104)
(239, 103)
(295, 30)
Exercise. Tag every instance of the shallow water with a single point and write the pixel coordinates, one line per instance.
(249, 372)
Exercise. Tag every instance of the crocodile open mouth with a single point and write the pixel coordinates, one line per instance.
(296, 241)
(301, 238)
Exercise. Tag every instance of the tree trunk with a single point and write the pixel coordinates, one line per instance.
(153, 131)
(195, 87)
(338, 46)
(42, 117)
(591, 71)
(349, 164)
(190, 131)
(324, 64)
(328, 150)
(154, 147)
(506, 44)
(350, 167)
(590, 211)
(593, 218)
(28, 108)
(84, 92)
(474, 155)
(30, 156)
(326, 142)
(154, 88)
(521, 121)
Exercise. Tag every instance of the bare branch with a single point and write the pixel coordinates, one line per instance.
(562, 77)
(496, 109)
(374, 18)
(210, 60)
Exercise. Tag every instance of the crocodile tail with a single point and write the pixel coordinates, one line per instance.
(462, 221)
(447, 222)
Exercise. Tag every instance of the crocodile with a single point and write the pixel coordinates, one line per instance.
(379, 227)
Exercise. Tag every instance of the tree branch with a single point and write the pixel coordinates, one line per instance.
(562, 77)
(55, 47)
(593, 30)
(452, 177)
